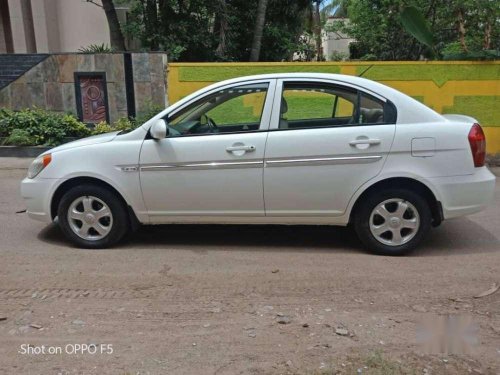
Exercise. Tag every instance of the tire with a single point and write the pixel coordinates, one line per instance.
(380, 216)
(100, 229)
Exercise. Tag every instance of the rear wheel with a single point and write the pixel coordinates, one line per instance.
(392, 222)
(92, 216)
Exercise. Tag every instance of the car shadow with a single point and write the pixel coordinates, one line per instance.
(461, 236)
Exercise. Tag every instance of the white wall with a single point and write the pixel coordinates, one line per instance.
(16, 23)
(80, 24)
(336, 41)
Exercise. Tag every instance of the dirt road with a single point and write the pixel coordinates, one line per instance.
(243, 299)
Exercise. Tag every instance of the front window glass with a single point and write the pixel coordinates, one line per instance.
(236, 109)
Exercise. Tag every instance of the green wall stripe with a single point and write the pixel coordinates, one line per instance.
(219, 73)
(440, 74)
(483, 108)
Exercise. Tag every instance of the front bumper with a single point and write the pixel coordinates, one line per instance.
(465, 195)
(37, 194)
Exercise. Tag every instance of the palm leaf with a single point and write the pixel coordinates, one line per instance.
(416, 25)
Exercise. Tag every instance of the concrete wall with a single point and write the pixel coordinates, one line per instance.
(80, 24)
(58, 25)
(51, 84)
(464, 87)
(335, 41)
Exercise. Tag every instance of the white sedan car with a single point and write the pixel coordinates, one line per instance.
(297, 148)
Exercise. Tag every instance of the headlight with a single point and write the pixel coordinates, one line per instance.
(38, 165)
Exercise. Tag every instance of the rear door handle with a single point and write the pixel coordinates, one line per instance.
(240, 148)
(365, 141)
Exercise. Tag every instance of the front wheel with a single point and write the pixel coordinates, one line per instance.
(392, 222)
(92, 216)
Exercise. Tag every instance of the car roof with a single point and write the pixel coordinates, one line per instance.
(358, 81)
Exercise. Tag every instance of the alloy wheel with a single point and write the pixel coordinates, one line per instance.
(90, 218)
(394, 222)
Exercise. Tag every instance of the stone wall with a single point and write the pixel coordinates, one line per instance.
(51, 83)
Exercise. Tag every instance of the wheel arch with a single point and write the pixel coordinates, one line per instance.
(75, 181)
(405, 183)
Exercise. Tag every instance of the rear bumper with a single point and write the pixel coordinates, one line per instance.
(465, 195)
(37, 194)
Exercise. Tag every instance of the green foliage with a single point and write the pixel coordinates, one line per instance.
(101, 128)
(338, 56)
(148, 112)
(20, 137)
(122, 125)
(369, 57)
(216, 30)
(402, 29)
(5, 124)
(31, 127)
(96, 48)
(39, 127)
(415, 23)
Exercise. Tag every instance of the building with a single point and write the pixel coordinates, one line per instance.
(52, 26)
(335, 43)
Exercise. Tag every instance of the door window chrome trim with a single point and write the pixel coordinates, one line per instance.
(264, 122)
(202, 166)
(258, 164)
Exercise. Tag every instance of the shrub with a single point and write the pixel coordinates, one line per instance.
(122, 125)
(36, 126)
(96, 48)
(368, 57)
(42, 127)
(150, 111)
(338, 56)
(101, 128)
(5, 124)
(19, 137)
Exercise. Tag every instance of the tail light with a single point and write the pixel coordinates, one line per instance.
(477, 142)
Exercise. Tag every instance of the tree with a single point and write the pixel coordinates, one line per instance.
(218, 30)
(460, 28)
(117, 40)
(260, 19)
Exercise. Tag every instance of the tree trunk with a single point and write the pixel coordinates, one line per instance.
(151, 24)
(115, 32)
(259, 29)
(223, 26)
(487, 36)
(461, 30)
(317, 31)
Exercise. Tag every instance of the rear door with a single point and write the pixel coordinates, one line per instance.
(325, 141)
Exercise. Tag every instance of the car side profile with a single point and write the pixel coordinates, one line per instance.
(295, 148)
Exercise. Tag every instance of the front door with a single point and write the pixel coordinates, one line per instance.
(211, 163)
(326, 141)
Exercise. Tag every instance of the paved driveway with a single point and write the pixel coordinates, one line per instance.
(241, 299)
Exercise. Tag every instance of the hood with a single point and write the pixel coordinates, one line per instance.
(101, 138)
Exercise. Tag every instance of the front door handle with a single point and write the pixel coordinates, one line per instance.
(365, 141)
(244, 148)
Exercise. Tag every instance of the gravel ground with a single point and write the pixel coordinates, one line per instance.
(239, 299)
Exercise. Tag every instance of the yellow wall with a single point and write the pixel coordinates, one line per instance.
(465, 87)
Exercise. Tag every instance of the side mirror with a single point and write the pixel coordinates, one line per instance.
(159, 130)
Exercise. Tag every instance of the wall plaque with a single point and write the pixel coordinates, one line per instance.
(91, 97)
